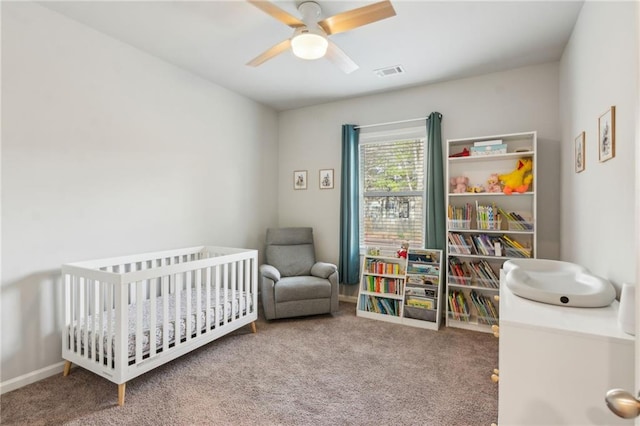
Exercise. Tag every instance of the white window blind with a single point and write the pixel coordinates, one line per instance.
(392, 191)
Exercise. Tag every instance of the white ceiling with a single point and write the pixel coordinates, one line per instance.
(433, 42)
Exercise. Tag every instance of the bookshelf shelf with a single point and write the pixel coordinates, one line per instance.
(474, 255)
(413, 293)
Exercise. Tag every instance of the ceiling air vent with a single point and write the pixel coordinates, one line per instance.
(386, 72)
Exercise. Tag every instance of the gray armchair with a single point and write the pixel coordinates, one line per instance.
(292, 283)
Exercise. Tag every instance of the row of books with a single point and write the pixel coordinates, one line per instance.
(379, 267)
(422, 268)
(459, 213)
(421, 292)
(428, 280)
(487, 312)
(486, 245)
(516, 221)
(383, 284)
(480, 272)
(458, 306)
(420, 302)
(381, 305)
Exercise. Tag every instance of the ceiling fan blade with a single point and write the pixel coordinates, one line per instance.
(340, 59)
(270, 53)
(277, 13)
(357, 17)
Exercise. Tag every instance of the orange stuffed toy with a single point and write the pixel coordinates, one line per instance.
(519, 179)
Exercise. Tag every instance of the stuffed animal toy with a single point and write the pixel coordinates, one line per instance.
(404, 247)
(459, 184)
(493, 183)
(519, 179)
(476, 189)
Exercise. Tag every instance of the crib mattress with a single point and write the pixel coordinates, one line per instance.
(231, 308)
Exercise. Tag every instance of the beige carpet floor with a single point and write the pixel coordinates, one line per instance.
(323, 370)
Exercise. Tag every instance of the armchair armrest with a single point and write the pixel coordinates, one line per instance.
(323, 269)
(270, 272)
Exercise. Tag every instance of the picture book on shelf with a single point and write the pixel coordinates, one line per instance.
(420, 302)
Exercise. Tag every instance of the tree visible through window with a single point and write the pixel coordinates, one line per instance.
(392, 193)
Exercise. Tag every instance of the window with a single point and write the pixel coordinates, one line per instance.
(392, 188)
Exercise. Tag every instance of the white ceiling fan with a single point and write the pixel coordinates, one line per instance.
(310, 36)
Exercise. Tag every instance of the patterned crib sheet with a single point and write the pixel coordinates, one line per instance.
(231, 309)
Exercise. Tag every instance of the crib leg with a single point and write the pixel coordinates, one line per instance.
(121, 388)
(253, 327)
(67, 368)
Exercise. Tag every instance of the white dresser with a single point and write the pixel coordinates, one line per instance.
(557, 363)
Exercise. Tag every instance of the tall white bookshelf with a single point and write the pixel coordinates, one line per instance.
(482, 227)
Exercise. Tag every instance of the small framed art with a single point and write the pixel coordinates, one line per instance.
(607, 135)
(326, 178)
(579, 152)
(300, 179)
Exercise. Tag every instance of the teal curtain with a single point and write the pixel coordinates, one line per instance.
(349, 260)
(435, 208)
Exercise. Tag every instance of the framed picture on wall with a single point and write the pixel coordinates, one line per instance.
(300, 179)
(579, 150)
(607, 135)
(326, 178)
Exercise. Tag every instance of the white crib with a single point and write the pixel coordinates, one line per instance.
(125, 316)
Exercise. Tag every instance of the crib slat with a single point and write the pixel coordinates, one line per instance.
(187, 318)
(110, 324)
(153, 298)
(247, 285)
(85, 315)
(207, 286)
(218, 308)
(176, 300)
(225, 292)
(139, 287)
(101, 321)
(234, 269)
(198, 306)
(76, 315)
(165, 313)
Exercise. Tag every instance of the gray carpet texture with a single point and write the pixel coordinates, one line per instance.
(322, 370)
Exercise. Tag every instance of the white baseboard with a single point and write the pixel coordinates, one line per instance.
(32, 377)
(349, 299)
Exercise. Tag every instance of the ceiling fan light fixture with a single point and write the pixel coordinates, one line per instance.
(308, 45)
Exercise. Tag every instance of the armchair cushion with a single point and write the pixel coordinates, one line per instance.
(323, 269)
(302, 288)
(290, 251)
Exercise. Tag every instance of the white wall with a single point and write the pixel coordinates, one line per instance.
(109, 151)
(514, 101)
(599, 68)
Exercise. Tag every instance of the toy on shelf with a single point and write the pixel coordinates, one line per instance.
(519, 179)
(464, 153)
(460, 184)
(476, 189)
(493, 183)
(404, 247)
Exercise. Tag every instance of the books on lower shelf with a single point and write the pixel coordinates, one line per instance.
(459, 307)
(487, 312)
(380, 305)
